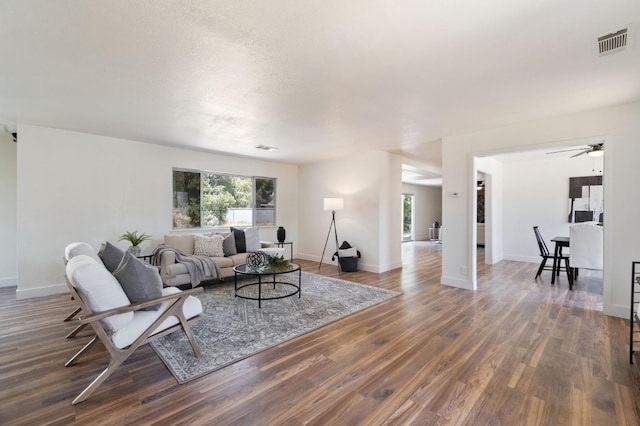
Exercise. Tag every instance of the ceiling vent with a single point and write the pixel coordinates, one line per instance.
(612, 43)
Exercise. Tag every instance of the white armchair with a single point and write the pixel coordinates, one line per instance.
(586, 241)
(120, 325)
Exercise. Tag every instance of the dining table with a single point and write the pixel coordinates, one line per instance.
(560, 243)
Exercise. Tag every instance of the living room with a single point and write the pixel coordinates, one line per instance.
(94, 158)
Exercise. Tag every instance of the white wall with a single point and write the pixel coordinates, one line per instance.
(618, 126)
(370, 184)
(8, 226)
(79, 187)
(427, 207)
(542, 201)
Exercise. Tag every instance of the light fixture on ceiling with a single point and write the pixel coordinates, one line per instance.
(267, 148)
(593, 150)
(597, 151)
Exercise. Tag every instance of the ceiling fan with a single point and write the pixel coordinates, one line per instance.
(593, 150)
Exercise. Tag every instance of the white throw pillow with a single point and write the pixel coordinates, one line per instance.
(99, 289)
(252, 239)
(208, 246)
(350, 252)
(75, 249)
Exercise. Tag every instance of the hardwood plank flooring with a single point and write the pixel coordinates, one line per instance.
(516, 352)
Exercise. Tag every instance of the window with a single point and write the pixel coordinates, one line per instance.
(186, 199)
(265, 201)
(204, 199)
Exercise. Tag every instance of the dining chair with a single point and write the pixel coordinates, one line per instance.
(546, 255)
(587, 248)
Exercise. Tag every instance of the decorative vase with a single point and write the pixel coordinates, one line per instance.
(135, 250)
(256, 259)
(281, 233)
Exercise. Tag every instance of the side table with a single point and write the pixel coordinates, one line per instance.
(145, 257)
(283, 243)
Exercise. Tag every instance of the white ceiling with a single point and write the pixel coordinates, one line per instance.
(316, 79)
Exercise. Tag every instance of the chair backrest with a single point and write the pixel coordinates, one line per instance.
(583, 216)
(586, 241)
(544, 251)
(75, 249)
(97, 290)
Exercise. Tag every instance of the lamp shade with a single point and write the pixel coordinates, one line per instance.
(334, 203)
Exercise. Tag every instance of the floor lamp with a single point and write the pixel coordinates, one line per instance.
(332, 204)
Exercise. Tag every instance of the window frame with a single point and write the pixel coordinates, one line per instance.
(253, 202)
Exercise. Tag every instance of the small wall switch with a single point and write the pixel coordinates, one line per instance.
(463, 270)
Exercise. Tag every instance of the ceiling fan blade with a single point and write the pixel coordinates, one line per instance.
(580, 153)
(567, 150)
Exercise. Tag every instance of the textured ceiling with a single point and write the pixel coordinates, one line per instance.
(316, 79)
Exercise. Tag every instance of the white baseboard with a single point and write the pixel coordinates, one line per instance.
(456, 282)
(518, 258)
(314, 258)
(617, 311)
(30, 293)
(389, 267)
(361, 265)
(9, 282)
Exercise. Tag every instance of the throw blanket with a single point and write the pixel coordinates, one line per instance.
(199, 267)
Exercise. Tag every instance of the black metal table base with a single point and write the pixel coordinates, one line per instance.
(260, 298)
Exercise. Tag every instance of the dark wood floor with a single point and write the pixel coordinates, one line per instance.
(515, 352)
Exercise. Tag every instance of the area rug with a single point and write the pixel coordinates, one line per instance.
(232, 328)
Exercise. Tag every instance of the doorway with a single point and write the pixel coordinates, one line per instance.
(408, 217)
(480, 206)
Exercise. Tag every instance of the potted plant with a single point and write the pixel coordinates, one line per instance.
(277, 263)
(135, 239)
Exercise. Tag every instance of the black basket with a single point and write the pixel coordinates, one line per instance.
(348, 264)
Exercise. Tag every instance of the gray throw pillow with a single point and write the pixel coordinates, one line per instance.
(241, 246)
(139, 280)
(229, 245)
(111, 256)
(252, 239)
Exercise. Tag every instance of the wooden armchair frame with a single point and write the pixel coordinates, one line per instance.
(118, 356)
(70, 317)
(73, 314)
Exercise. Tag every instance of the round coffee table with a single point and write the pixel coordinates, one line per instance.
(265, 272)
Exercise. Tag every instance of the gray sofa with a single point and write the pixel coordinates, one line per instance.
(175, 274)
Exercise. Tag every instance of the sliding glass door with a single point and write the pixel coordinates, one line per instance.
(408, 231)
